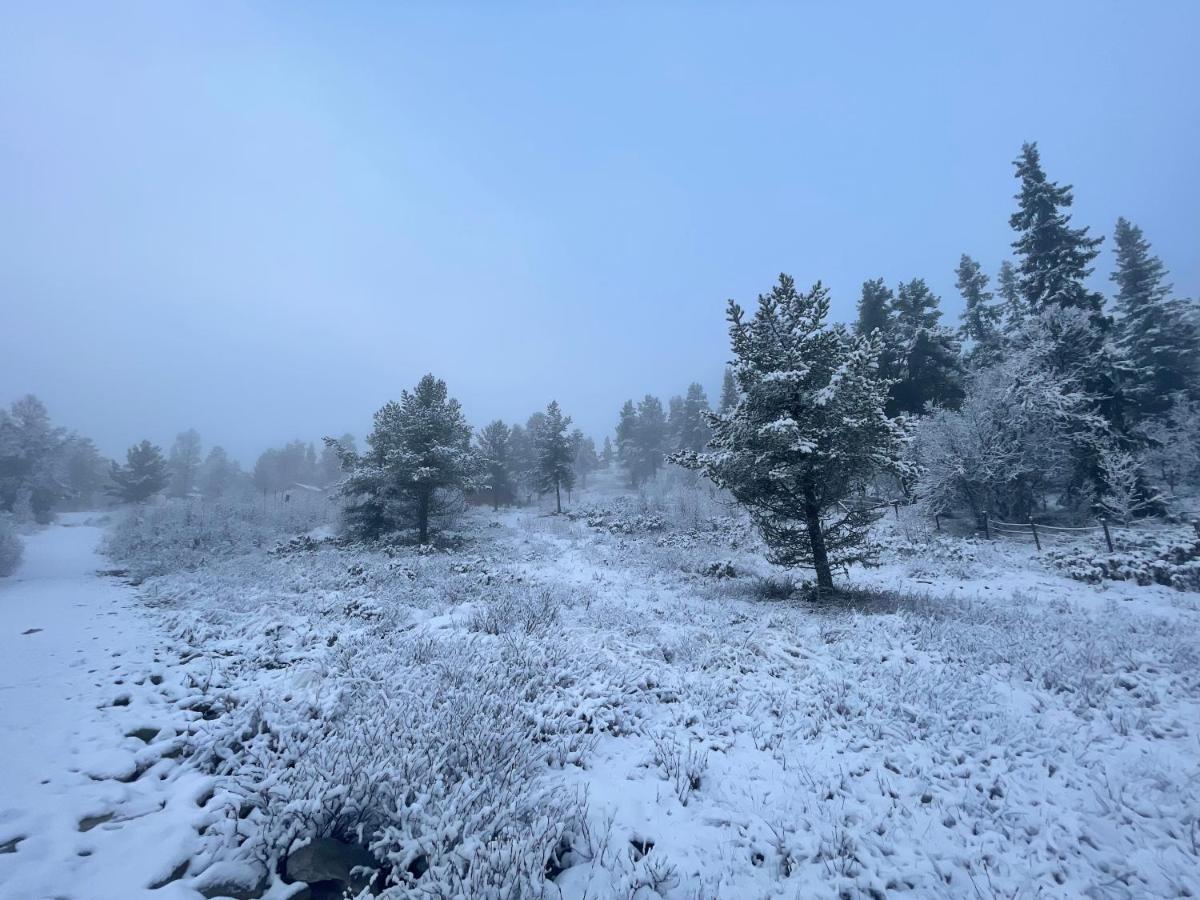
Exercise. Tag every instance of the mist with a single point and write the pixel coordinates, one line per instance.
(264, 222)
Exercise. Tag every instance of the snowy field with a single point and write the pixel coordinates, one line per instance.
(626, 701)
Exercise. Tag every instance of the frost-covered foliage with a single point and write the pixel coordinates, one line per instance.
(187, 534)
(10, 547)
(418, 462)
(1156, 558)
(808, 430)
(1011, 440)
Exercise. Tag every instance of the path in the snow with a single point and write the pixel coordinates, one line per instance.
(86, 809)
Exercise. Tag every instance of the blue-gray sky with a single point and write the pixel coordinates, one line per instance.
(264, 220)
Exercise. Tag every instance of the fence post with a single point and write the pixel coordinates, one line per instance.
(987, 531)
(1107, 536)
(896, 508)
(1033, 528)
(937, 521)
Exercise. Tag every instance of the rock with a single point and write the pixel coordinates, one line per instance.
(327, 859)
(237, 880)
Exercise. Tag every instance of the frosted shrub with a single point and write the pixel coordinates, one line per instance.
(1173, 561)
(183, 535)
(10, 547)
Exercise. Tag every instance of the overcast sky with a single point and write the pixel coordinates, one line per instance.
(264, 220)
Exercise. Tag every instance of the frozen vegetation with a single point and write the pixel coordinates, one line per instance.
(629, 701)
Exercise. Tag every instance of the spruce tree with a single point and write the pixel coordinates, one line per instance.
(143, 475)
(554, 454)
(1154, 331)
(584, 461)
(694, 430)
(650, 438)
(419, 452)
(627, 426)
(184, 463)
(875, 308)
(808, 432)
(729, 393)
(523, 466)
(494, 449)
(980, 318)
(922, 358)
(607, 454)
(1054, 258)
(1009, 287)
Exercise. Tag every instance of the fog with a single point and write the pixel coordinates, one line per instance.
(265, 222)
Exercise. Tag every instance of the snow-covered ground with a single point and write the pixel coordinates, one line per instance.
(87, 810)
(627, 702)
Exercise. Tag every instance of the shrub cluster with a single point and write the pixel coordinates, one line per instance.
(1173, 561)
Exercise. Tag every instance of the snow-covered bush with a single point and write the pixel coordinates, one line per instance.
(1171, 560)
(185, 534)
(10, 547)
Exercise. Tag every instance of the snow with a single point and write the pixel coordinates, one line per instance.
(975, 724)
(70, 642)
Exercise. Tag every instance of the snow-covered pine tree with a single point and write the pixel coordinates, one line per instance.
(218, 474)
(31, 450)
(808, 432)
(649, 439)
(554, 454)
(494, 450)
(183, 464)
(674, 426)
(627, 425)
(1013, 306)
(875, 308)
(1154, 332)
(729, 393)
(980, 317)
(523, 464)
(143, 475)
(419, 453)
(928, 358)
(1054, 258)
(584, 459)
(607, 454)
(694, 430)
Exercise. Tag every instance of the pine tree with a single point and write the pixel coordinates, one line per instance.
(875, 308)
(607, 454)
(627, 426)
(922, 358)
(1009, 287)
(218, 475)
(980, 318)
(554, 454)
(31, 449)
(694, 430)
(494, 450)
(584, 458)
(143, 475)
(1055, 259)
(523, 466)
(729, 392)
(808, 432)
(649, 438)
(1153, 331)
(183, 464)
(674, 427)
(419, 452)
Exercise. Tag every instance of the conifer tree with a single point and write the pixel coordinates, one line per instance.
(419, 452)
(523, 465)
(1054, 258)
(808, 432)
(1010, 293)
(729, 393)
(627, 426)
(875, 308)
(607, 454)
(694, 430)
(494, 451)
(980, 318)
(143, 475)
(649, 438)
(925, 357)
(183, 465)
(1154, 331)
(554, 454)
(584, 459)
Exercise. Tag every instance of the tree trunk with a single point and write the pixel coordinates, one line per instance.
(816, 537)
(423, 518)
(557, 496)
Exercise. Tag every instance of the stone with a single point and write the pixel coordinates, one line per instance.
(327, 859)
